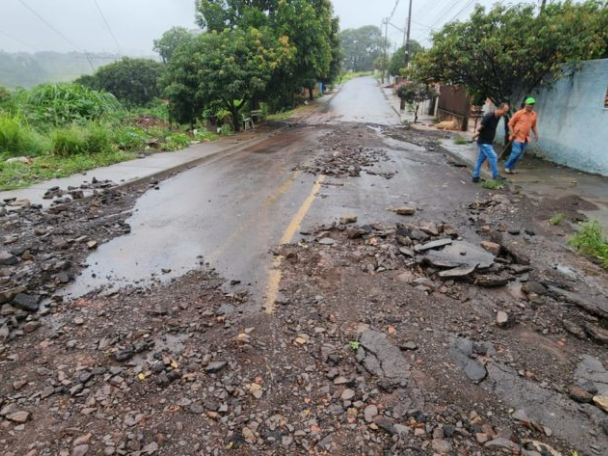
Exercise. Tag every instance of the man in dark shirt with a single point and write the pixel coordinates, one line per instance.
(485, 138)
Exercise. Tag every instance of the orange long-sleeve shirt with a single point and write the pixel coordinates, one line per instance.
(521, 123)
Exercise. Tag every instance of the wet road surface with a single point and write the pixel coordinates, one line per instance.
(232, 212)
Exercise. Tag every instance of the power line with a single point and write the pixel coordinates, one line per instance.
(442, 13)
(438, 18)
(49, 25)
(103, 17)
(465, 7)
(394, 10)
(17, 40)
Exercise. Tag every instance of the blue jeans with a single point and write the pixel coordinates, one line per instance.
(486, 152)
(517, 151)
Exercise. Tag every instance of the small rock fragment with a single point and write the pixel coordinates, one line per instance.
(404, 210)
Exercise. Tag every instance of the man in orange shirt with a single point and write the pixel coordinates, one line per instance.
(520, 125)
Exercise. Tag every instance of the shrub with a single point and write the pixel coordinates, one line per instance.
(176, 141)
(130, 138)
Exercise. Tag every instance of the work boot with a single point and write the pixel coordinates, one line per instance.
(475, 180)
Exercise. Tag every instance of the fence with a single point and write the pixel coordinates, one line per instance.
(454, 104)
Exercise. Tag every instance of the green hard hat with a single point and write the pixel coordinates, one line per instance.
(530, 100)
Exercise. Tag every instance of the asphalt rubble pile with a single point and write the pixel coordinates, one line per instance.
(429, 139)
(62, 197)
(433, 259)
(431, 250)
(345, 157)
(42, 250)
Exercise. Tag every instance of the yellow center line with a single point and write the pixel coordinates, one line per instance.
(258, 213)
(274, 277)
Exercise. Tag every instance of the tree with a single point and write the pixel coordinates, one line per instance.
(133, 81)
(309, 24)
(414, 94)
(361, 47)
(508, 50)
(230, 67)
(397, 61)
(165, 46)
(217, 15)
(337, 55)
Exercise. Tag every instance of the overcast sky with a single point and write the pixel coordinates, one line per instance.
(78, 25)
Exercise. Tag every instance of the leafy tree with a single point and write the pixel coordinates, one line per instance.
(308, 24)
(361, 47)
(171, 39)
(337, 55)
(132, 81)
(230, 67)
(216, 15)
(397, 61)
(509, 50)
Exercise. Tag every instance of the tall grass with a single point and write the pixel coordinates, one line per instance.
(17, 138)
(73, 140)
(64, 103)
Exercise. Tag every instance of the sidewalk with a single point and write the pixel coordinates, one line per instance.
(131, 172)
(539, 178)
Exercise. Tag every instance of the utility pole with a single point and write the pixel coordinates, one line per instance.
(407, 42)
(385, 22)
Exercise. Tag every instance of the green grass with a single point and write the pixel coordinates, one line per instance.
(493, 184)
(461, 141)
(205, 136)
(354, 74)
(280, 116)
(557, 219)
(20, 175)
(590, 241)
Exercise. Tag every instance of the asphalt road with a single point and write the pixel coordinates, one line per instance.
(231, 213)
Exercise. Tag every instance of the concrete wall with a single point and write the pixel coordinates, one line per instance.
(573, 119)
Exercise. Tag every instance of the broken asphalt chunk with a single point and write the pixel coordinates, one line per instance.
(381, 358)
(25, 302)
(215, 367)
(460, 253)
(432, 245)
(404, 210)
